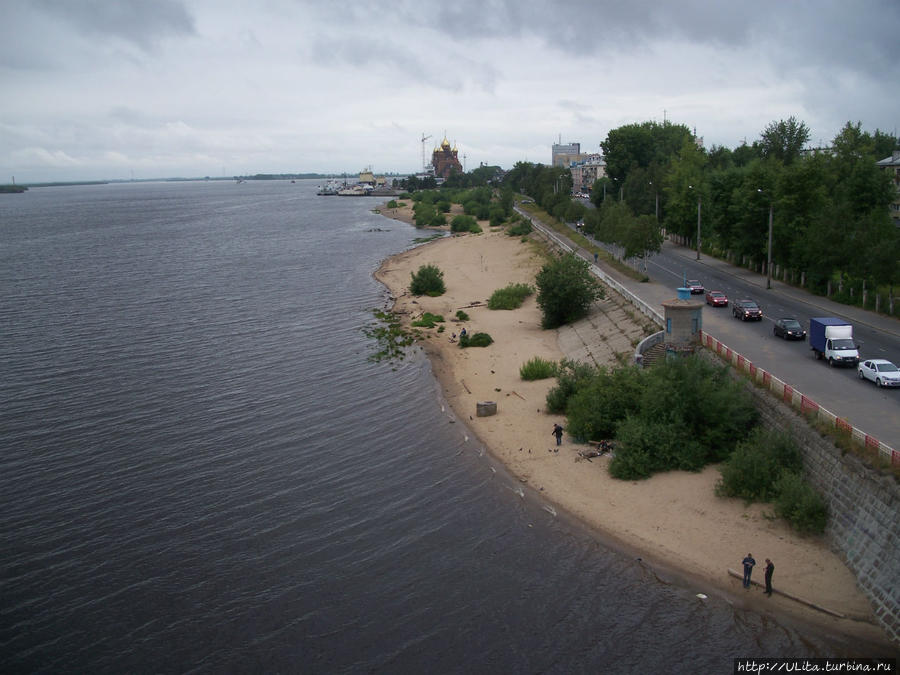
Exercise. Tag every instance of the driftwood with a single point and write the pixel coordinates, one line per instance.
(519, 395)
(465, 386)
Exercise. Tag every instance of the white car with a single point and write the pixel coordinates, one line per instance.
(881, 371)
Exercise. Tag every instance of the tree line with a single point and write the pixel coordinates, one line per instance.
(829, 207)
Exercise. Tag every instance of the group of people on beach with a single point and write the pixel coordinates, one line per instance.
(748, 563)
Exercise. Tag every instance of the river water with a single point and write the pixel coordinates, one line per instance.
(201, 470)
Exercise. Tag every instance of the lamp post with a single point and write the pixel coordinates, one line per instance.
(691, 187)
(769, 255)
(656, 196)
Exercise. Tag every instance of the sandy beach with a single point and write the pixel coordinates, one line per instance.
(673, 521)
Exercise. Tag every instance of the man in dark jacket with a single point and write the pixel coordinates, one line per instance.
(748, 563)
(770, 568)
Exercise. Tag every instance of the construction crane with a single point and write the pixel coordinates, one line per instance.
(424, 163)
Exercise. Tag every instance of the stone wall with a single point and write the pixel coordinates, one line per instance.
(864, 509)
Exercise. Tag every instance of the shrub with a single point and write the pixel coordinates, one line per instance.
(566, 290)
(752, 470)
(601, 403)
(461, 315)
(428, 280)
(438, 219)
(497, 215)
(537, 368)
(519, 229)
(570, 376)
(475, 340)
(428, 320)
(799, 504)
(510, 297)
(392, 204)
(443, 206)
(424, 214)
(463, 223)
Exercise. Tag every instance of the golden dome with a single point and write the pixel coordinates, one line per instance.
(445, 143)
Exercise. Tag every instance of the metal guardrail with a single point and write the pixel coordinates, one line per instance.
(796, 399)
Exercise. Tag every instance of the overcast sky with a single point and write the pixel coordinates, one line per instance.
(97, 89)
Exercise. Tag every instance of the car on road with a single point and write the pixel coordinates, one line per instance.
(716, 299)
(789, 329)
(745, 310)
(881, 371)
(695, 286)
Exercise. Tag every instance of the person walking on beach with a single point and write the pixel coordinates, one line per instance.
(558, 432)
(770, 568)
(748, 563)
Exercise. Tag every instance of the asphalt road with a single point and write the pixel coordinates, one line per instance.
(875, 411)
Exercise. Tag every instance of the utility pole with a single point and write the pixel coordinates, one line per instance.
(769, 263)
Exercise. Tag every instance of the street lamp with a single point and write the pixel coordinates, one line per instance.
(691, 187)
(769, 260)
(656, 195)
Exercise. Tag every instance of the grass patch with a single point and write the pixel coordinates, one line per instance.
(510, 297)
(428, 320)
(537, 368)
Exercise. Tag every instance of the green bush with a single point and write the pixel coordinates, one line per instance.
(428, 280)
(537, 368)
(392, 204)
(680, 414)
(601, 403)
(443, 206)
(509, 297)
(799, 504)
(566, 290)
(463, 223)
(438, 219)
(570, 376)
(428, 320)
(497, 215)
(754, 467)
(461, 315)
(520, 229)
(475, 340)
(424, 214)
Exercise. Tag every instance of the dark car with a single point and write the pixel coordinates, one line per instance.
(789, 329)
(716, 299)
(746, 310)
(695, 286)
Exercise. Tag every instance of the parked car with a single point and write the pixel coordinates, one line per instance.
(789, 329)
(716, 299)
(746, 309)
(695, 286)
(881, 371)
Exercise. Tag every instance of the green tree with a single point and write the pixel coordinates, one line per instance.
(427, 280)
(566, 290)
(783, 140)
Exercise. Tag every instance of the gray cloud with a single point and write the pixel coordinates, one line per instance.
(143, 24)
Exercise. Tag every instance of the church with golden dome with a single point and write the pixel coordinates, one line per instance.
(444, 159)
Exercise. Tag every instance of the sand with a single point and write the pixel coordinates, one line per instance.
(673, 521)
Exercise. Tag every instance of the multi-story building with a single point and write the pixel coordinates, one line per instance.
(892, 165)
(563, 154)
(586, 171)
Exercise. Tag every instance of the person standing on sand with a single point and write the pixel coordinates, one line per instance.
(558, 432)
(770, 568)
(748, 563)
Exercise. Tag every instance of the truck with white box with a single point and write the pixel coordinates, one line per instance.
(832, 339)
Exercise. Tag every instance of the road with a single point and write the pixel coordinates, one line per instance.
(875, 411)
